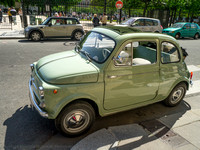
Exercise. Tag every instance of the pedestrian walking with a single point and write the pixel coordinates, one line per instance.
(9, 16)
(20, 14)
(1, 15)
(104, 19)
(95, 20)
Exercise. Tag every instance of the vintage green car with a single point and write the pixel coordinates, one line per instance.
(112, 69)
(183, 29)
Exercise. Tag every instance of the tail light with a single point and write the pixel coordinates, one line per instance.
(161, 26)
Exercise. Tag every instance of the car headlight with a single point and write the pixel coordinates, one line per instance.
(27, 29)
(171, 31)
(41, 92)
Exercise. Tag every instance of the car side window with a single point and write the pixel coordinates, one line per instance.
(71, 21)
(169, 53)
(155, 23)
(193, 26)
(57, 21)
(137, 53)
(124, 58)
(148, 22)
(144, 53)
(139, 22)
(187, 26)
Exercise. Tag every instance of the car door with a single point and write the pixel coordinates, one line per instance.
(133, 76)
(140, 24)
(186, 30)
(70, 25)
(149, 25)
(55, 28)
(193, 30)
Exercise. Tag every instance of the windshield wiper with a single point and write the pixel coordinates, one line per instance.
(86, 54)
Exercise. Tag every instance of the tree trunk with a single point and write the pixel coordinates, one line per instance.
(174, 17)
(171, 17)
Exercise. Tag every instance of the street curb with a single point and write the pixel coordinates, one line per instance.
(12, 37)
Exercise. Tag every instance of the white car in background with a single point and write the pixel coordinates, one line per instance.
(144, 24)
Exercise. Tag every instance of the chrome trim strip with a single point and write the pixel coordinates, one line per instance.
(33, 102)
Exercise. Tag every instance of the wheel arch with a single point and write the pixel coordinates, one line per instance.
(42, 34)
(72, 35)
(89, 101)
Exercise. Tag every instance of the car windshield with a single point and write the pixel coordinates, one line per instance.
(128, 22)
(97, 47)
(45, 21)
(177, 25)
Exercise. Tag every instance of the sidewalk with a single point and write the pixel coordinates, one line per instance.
(177, 131)
(11, 34)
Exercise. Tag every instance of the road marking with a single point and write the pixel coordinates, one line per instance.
(193, 68)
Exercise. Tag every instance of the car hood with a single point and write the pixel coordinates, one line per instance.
(35, 26)
(171, 29)
(67, 68)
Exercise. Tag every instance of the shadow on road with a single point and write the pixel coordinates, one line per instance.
(50, 40)
(27, 130)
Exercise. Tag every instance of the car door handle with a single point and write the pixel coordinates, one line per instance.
(112, 77)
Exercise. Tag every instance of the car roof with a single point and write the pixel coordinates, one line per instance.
(144, 18)
(125, 33)
(63, 18)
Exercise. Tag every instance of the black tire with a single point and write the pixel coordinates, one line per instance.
(77, 35)
(178, 35)
(176, 96)
(196, 36)
(75, 119)
(35, 36)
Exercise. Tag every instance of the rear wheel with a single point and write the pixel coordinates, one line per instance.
(176, 95)
(75, 119)
(196, 36)
(178, 35)
(77, 35)
(35, 36)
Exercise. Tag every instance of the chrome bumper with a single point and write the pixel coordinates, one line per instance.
(33, 102)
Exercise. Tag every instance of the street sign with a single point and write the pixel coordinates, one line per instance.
(119, 4)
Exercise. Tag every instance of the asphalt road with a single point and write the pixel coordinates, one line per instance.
(23, 128)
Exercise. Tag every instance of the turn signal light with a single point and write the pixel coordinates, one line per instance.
(55, 91)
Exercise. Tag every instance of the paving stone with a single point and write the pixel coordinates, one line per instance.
(101, 140)
(190, 132)
(179, 119)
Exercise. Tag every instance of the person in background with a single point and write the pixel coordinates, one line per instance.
(95, 20)
(104, 19)
(1, 15)
(20, 14)
(9, 16)
(56, 14)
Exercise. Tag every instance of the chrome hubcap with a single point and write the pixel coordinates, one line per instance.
(177, 95)
(36, 36)
(76, 121)
(78, 35)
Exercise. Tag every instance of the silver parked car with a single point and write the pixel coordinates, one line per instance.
(144, 24)
(55, 27)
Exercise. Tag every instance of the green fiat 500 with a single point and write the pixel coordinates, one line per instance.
(112, 69)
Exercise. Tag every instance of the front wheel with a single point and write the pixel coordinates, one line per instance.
(75, 119)
(35, 36)
(178, 35)
(77, 35)
(176, 95)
